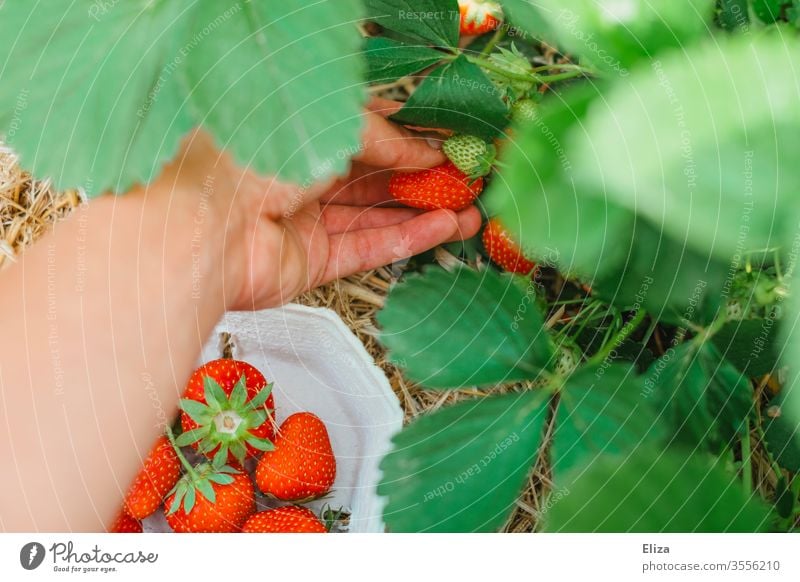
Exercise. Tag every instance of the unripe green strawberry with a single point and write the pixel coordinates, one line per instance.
(524, 111)
(470, 154)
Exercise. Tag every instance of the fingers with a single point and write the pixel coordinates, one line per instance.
(352, 252)
(338, 219)
(388, 145)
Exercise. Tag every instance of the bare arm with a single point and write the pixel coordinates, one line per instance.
(104, 317)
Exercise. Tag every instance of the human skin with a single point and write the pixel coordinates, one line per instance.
(105, 316)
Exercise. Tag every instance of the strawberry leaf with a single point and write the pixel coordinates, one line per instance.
(461, 468)
(457, 96)
(433, 22)
(205, 488)
(239, 394)
(220, 458)
(279, 84)
(654, 490)
(189, 499)
(238, 450)
(214, 394)
(261, 397)
(102, 100)
(221, 478)
(261, 444)
(197, 411)
(191, 436)
(600, 412)
(389, 60)
(448, 330)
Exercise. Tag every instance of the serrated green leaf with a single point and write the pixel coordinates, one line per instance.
(214, 394)
(612, 36)
(261, 397)
(92, 97)
(601, 412)
(707, 183)
(462, 328)
(655, 490)
(461, 468)
(389, 60)
(753, 344)
(239, 394)
(432, 21)
(280, 84)
(457, 96)
(197, 411)
(703, 397)
(535, 198)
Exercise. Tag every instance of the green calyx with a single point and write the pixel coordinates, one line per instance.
(196, 480)
(512, 72)
(226, 421)
(470, 154)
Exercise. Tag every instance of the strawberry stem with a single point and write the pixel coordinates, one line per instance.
(186, 465)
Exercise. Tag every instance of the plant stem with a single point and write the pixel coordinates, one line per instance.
(559, 77)
(489, 66)
(184, 462)
(496, 38)
(621, 336)
(747, 460)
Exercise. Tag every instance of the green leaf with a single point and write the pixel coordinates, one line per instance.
(389, 60)
(197, 411)
(238, 450)
(768, 11)
(92, 97)
(526, 18)
(752, 343)
(464, 328)
(221, 478)
(535, 198)
(220, 458)
(239, 394)
(280, 84)
(732, 15)
(214, 394)
(655, 490)
(457, 96)
(614, 35)
(257, 418)
(705, 399)
(261, 444)
(433, 22)
(601, 412)
(191, 436)
(189, 500)
(261, 397)
(205, 488)
(724, 168)
(461, 468)
(782, 436)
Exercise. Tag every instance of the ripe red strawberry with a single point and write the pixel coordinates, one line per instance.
(159, 473)
(228, 412)
(503, 250)
(302, 466)
(444, 186)
(288, 519)
(125, 524)
(209, 500)
(479, 16)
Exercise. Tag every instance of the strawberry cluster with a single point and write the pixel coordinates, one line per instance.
(228, 418)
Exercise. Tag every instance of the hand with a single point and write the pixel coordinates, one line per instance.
(283, 240)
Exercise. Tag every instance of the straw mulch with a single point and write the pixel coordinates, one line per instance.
(29, 206)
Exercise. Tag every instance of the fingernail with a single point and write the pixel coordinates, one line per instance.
(434, 143)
